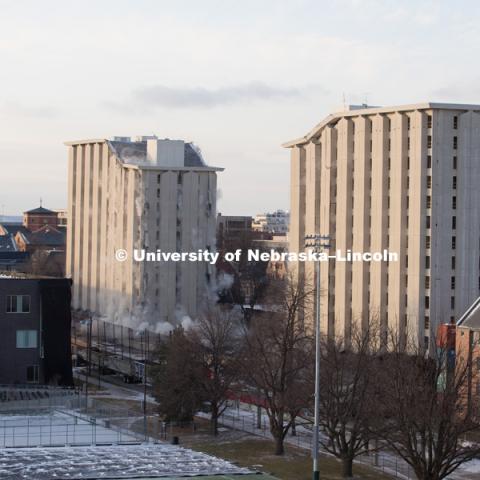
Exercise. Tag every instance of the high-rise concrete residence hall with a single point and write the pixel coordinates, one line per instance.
(140, 193)
(406, 179)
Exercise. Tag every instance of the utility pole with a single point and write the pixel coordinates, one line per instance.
(89, 358)
(318, 243)
(146, 349)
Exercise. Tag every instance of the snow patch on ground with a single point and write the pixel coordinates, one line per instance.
(119, 461)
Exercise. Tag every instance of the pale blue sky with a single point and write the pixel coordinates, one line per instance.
(236, 77)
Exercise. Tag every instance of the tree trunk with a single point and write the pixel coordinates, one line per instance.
(294, 427)
(347, 467)
(279, 447)
(259, 417)
(214, 420)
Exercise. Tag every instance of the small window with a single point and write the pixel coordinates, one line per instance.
(452, 283)
(18, 303)
(429, 181)
(158, 193)
(455, 122)
(427, 283)
(455, 143)
(454, 163)
(429, 121)
(408, 123)
(452, 303)
(408, 163)
(26, 339)
(427, 323)
(454, 203)
(159, 178)
(427, 221)
(454, 223)
(427, 262)
(453, 263)
(427, 302)
(429, 201)
(454, 243)
(429, 161)
(454, 182)
(427, 242)
(429, 141)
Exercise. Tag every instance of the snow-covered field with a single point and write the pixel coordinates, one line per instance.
(56, 429)
(119, 461)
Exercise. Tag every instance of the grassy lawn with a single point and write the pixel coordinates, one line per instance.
(256, 453)
(253, 452)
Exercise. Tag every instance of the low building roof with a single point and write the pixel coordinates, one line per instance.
(471, 318)
(46, 235)
(13, 227)
(7, 243)
(41, 211)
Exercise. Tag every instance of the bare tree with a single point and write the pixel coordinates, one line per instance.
(176, 379)
(42, 262)
(215, 340)
(277, 358)
(346, 395)
(424, 411)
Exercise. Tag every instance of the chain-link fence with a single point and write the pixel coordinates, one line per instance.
(70, 421)
(252, 422)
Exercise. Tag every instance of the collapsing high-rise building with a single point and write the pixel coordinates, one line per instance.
(134, 194)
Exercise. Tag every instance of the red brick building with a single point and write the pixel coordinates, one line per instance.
(39, 217)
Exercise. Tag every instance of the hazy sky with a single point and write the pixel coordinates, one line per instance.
(236, 77)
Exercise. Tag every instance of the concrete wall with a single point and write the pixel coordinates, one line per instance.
(364, 177)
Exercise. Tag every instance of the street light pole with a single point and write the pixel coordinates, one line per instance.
(318, 243)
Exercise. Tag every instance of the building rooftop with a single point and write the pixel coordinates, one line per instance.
(7, 243)
(46, 235)
(134, 151)
(13, 227)
(41, 211)
(356, 111)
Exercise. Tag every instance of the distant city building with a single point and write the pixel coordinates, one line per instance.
(46, 238)
(39, 217)
(35, 246)
(278, 243)
(402, 179)
(35, 330)
(274, 223)
(62, 217)
(11, 258)
(134, 194)
(233, 230)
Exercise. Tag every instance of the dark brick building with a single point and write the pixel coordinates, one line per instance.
(35, 323)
